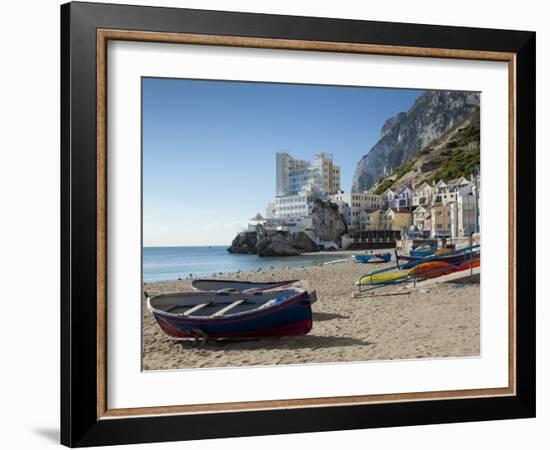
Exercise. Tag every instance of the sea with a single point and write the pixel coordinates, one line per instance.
(171, 263)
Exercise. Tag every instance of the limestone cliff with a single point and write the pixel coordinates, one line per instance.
(406, 134)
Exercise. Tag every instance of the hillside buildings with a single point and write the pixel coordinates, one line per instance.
(435, 209)
(353, 204)
(442, 209)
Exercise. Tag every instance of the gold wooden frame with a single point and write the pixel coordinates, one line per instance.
(103, 36)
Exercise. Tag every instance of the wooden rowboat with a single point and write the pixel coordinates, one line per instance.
(208, 285)
(232, 286)
(233, 315)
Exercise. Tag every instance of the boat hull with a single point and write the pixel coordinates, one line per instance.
(288, 318)
(377, 258)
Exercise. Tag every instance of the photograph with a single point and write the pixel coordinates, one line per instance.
(301, 224)
(272, 223)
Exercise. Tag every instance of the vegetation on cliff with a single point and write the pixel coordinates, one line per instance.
(407, 135)
(455, 154)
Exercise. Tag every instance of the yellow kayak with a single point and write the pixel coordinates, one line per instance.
(382, 277)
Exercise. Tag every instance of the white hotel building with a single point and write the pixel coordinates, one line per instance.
(299, 182)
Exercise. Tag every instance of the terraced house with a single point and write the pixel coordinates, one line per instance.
(423, 195)
(396, 220)
(421, 218)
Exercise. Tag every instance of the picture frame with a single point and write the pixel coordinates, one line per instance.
(86, 419)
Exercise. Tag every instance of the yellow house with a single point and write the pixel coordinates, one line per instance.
(395, 220)
(371, 219)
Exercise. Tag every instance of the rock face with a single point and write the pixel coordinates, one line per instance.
(302, 242)
(244, 243)
(328, 223)
(455, 154)
(275, 244)
(402, 136)
(272, 243)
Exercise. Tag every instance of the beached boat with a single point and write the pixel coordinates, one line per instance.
(423, 250)
(422, 268)
(233, 286)
(211, 285)
(373, 258)
(233, 315)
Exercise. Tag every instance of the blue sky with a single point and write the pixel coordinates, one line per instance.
(209, 147)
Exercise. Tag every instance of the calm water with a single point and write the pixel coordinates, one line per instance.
(171, 263)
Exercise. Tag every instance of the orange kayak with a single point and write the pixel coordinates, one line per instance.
(476, 262)
(432, 269)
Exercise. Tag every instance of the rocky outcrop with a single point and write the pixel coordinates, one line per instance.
(404, 135)
(275, 244)
(272, 243)
(302, 242)
(328, 223)
(244, 243)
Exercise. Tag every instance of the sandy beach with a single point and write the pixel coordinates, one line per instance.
(435, 321)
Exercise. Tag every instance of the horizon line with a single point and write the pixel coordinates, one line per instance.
(181, 245)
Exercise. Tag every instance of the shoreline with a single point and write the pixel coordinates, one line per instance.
(279, 260)
(437, 321)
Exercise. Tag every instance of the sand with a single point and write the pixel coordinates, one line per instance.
(427, 322)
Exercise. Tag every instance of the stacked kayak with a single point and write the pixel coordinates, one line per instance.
(383, 278)
(417, 268)
(432, 269)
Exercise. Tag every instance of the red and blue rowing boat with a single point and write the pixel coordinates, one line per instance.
(233, 315)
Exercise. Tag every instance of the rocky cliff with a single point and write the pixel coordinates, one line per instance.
(328, 223)
(403, 136)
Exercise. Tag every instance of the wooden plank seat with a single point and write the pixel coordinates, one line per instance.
(222, 311)
(195, 308)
